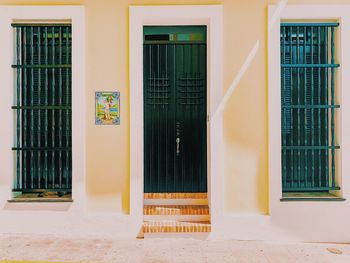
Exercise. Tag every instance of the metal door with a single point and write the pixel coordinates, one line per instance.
(175, 129)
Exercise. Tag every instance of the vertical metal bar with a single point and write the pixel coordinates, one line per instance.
(53, 126)
(319, 110)
(190, 113)
(312, 110)
(162, 118)
(166, 88)
(18, 103)
(158, 121)
(291, 102)
(151, 116)
(46, 134)
(152, 92)
(24, 98)
(284, 124)
(305, 114)
(39, 111)
(68, 128)
(31, 104)
(332, 109)
(298, 110)
(197, 115)
(60, 111)
(200, 115)
(175, 75)
(183, 116)
(326, 103)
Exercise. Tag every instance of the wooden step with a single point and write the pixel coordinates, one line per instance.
(176, 210)
(175, 202)
(176, 214)
(175, 227)
(191, 213)
(175, 195)
(175, 199)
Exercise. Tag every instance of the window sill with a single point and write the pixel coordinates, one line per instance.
(40, 200)
(321, 197)
(34, 198)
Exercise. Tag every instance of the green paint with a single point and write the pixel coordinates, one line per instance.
(307, 80)
(43, 108)
(175, 111)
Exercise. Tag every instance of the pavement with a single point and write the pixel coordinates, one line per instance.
(34, 248)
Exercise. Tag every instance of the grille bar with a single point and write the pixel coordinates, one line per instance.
(310, 65)
(294, 24)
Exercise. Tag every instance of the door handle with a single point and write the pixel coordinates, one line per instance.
(177, 145)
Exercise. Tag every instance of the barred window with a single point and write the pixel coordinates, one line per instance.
(42, 109)
(310, 107)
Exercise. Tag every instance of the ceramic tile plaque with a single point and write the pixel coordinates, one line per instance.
(107, 108)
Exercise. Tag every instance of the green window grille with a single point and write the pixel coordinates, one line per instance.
(309, 107)
(42, 108)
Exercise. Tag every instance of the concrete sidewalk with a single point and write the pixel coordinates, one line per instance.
(58, 249)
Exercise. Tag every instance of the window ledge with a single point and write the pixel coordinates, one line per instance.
(39, 205)
(40, 200)
(310, 197)
(47, 197)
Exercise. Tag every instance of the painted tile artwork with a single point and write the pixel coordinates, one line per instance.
(107, 111)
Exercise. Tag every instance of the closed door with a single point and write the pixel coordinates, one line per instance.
(175, 129)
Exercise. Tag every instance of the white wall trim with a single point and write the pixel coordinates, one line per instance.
(76, 15)
(290, 214)
(212, 17)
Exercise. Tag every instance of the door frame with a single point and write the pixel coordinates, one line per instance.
(212, 17)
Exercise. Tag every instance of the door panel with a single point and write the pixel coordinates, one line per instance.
(175, 116)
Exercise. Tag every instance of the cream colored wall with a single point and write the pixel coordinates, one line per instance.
(245, 118)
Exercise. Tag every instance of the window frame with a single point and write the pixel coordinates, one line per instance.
(317, 88)
(304, 13)
(11, 14)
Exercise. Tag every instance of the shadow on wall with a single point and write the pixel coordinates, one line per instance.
(245, 142)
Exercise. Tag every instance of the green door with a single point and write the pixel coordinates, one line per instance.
(175, 129)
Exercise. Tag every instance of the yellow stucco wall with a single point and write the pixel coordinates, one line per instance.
(245, 117)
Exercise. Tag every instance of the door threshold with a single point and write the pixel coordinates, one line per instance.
(175, 195)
